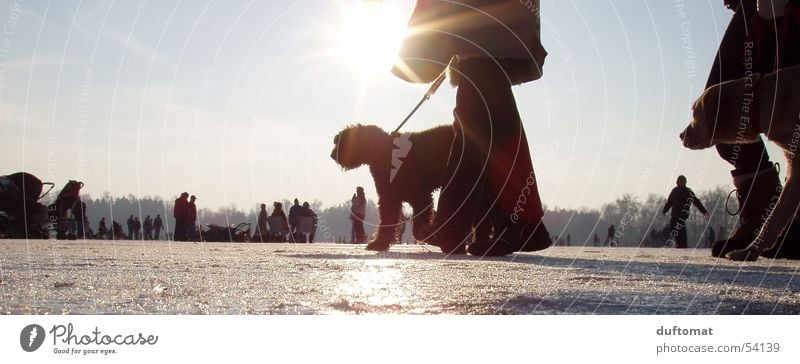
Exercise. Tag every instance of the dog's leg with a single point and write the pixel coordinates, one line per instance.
(423, 216)
(781, 216)
(389, 209)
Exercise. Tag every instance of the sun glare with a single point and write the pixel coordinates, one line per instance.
(371, 33)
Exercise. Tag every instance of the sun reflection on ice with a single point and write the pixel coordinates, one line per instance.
(375, 287)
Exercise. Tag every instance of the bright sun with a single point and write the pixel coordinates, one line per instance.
(371, 33)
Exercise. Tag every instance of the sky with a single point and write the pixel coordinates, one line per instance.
(237, 102)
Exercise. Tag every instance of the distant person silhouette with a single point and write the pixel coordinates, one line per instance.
(610, 237)
(192, 232)
(181, 213)
(131, 227)
(277, 211)
(358, 212)
(102, 229)
(596, 240)
(679, 201)
(117, 233)
(137, 228)
(308, 212)
(294, 219)
(262, 232)
(569, 240)
(148, 228)
(157, 226)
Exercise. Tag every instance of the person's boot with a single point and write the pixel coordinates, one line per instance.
(788, 246)
(513, 238)
(755, 192)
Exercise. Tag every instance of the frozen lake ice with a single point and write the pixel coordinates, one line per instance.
(105, 277)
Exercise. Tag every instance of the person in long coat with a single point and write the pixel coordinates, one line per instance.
(490, 45)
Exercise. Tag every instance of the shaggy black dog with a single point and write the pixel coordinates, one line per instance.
(406, 167)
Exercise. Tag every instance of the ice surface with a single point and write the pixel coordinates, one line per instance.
(99, 277)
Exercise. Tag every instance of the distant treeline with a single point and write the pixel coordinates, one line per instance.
(632, 217)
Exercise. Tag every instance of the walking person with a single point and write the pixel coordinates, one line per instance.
(494, 46)
(358, 212)
(680, 201)
(157, 225)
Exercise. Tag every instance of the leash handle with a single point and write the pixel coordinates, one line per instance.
(431, 91)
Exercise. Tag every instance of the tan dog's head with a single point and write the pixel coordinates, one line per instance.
(359, 144)
(717, 118)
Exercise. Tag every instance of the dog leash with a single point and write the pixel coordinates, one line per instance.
(432, 90)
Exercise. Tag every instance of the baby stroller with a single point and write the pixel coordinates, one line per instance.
(21, 215)
(227, 234)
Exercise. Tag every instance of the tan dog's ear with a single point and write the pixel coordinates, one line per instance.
(702, 102)
(697, 108)
(709, 103)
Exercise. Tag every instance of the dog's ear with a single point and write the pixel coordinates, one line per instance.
(708, 106)
(697, 106)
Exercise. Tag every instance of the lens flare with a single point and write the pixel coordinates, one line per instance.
(371, 33)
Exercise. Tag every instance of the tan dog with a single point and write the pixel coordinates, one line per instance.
(743, 109)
